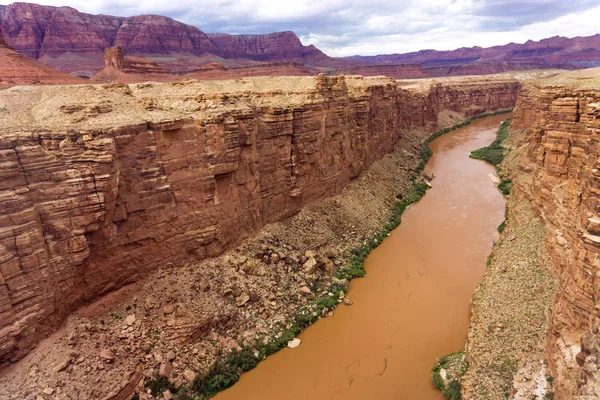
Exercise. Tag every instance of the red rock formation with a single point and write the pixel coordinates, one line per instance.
(16, 69)
(269, 47)
(402, 71)
(101, 185)
(72, 41)
(119, 68)
(114, 57)
(564, 127)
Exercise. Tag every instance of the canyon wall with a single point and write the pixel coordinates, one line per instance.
(16, 69)
(564, 123)
(101, 184)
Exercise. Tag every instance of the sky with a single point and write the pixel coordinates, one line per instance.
(368, 27)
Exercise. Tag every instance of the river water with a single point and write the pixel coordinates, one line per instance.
(414, 304)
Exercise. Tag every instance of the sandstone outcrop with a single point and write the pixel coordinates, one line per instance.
(16, 69)
(114, 57)
(119, 68)
(103, 184)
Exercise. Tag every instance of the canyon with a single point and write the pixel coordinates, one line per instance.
(146, 227)
(105, 186)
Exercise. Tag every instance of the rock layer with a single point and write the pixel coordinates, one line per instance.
(564, 126)
(16, 69)
(491, 68)
(218, 71)
(103, 184)
(401, 71)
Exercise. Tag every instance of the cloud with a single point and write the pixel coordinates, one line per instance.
(348, 27)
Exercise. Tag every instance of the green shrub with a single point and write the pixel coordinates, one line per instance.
(159, 385)
(502, 226)
(505, 186)
(495, 152)
(455, 366)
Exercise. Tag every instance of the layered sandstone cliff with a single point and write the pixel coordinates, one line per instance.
(16, 69)
(102, 184)
(561, 115)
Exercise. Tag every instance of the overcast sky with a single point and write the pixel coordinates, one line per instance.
(368, 27)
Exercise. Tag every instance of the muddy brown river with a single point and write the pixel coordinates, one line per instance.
(414, 304)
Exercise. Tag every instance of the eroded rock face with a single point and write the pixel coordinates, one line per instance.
(119, 68)
(16, 69)
(564, 143)
(267, 47)
(101, 185)
(114, 57)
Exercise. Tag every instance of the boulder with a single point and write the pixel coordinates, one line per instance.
(166, 369)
